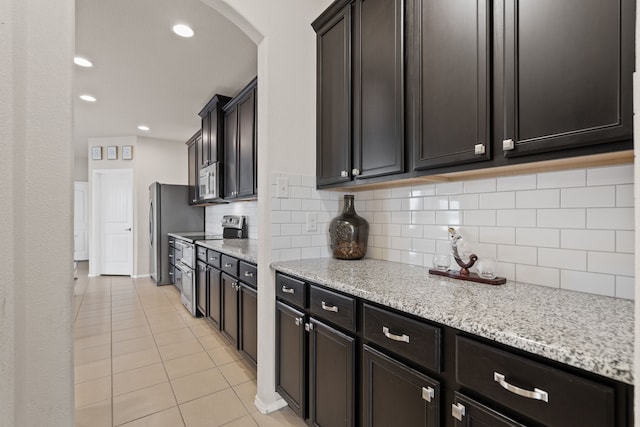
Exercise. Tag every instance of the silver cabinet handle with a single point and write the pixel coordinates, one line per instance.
(508, 145)
(227, 264)
(479, 149)
(536, 394)
(344, 174)
(403, 337)
(288, 290)
(213, 258)
(298, 321)
(248, 274)
(326, 307)
(355, 172)
(428, 393)
(457, 411)
(171, 242)
(308, 327)
(235, 286)
(170, 256)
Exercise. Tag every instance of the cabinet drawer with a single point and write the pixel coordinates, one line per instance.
(414, 340)
(291, 290)
(248, 274)
(213, 258)
(229, 265)
(201, 253)
(333, 307)
(544, 394)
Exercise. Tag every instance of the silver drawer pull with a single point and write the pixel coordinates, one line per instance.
(403, 337)
(248, 273)
(536, 394)
(298, 321)
(288, 290)
(428, 393)
(227, 264)
(457, 411)
(326, 307)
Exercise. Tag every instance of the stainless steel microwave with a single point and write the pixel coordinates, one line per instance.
(208, 184)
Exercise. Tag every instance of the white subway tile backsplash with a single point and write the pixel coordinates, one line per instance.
(611, 263)
(610, 218)
(593, 283)
(503, 200)
(610, 175)
(625, 241)
(502, 235)
(436, 203)
(516, 218)
(463, 201)
(563, 179)
(480, 217)
(588, 240)
(624, 195)
(538, 199)
(518, 182)
(562, 258)
(540, 237)
(625, 287)
(589, 197)
(480, 186)
(561, 218)
(572, 229)
(538, 275)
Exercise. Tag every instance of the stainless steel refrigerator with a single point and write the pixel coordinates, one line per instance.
(169, 212)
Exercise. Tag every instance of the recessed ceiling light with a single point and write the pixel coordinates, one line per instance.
(83, 62)
(143, 127)
(88, 98)
(183, 30)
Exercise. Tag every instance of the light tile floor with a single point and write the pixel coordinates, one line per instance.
(142, 360)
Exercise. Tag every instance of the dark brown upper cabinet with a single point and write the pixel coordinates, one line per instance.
(240, 145)
(448, 88)
(360, 91)
(210, 149)
(563, 74)
(192, 155)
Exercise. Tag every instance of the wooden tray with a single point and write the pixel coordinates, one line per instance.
(472, 277)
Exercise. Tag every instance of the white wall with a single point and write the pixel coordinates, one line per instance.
(152, 160)
(36, 46)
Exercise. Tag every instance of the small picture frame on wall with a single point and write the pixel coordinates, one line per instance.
(127, 152)
(96, 152)
(112, 152)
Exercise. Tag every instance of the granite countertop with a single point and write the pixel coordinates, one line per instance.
(591, 332)
(244, 249)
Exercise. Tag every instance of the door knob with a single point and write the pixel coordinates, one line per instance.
(127, 229)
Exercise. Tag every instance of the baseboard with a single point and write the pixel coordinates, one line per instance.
(265, 408)
(140, 276)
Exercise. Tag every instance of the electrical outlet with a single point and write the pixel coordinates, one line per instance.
(282, 188)
(312, 221)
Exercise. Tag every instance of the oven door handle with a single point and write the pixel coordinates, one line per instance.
(184, 269)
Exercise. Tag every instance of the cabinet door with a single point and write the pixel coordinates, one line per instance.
(567, 68)
(248, 340)
(449, 88)
(230, 153)
(213, 280)
(291, 356)
(246, 145)
(394, 394)
(201, 294)
(194, 170)
(469, 413)
(378, 101)
(205, 155)
(334, 99)
(331, 376)
(229, 325)
(203, 152)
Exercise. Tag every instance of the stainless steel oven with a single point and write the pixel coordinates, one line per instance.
(185, 277)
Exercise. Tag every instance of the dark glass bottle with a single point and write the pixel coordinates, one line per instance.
(349, 232)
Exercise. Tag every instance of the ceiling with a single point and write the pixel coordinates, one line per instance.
(145, 74)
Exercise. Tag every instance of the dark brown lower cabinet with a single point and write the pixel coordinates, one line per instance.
(394, 394)
(469, 413)
(291, 356)
(229, 324)
(213, 285)
(248, 338)
(331, 376)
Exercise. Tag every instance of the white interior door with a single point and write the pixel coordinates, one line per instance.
(115, 221)
(81, 221)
